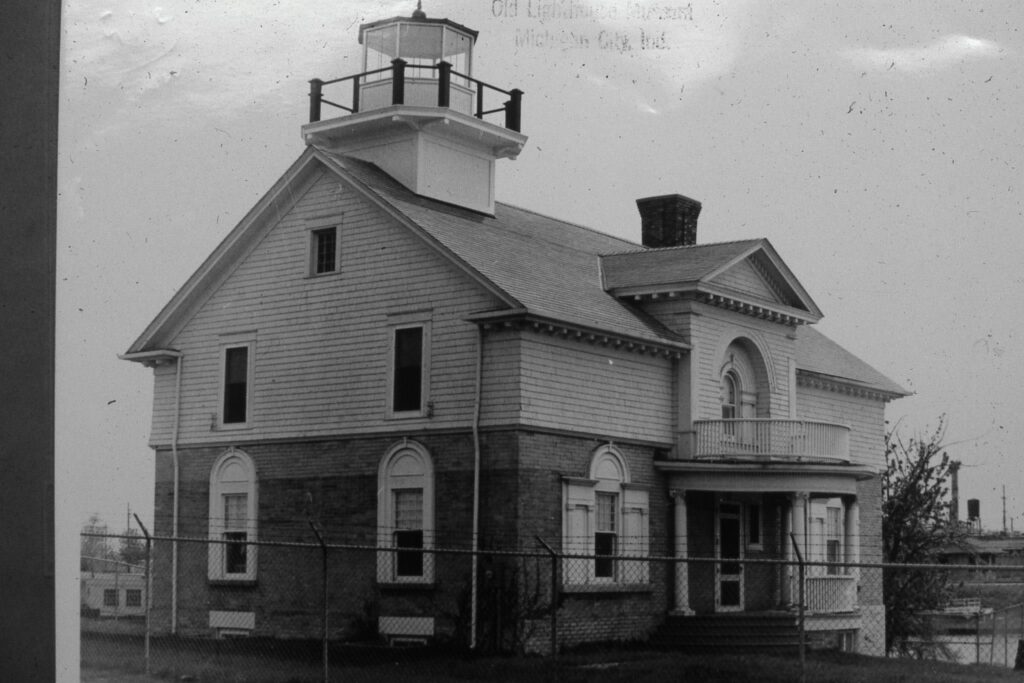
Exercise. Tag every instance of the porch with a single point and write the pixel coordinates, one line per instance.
(742, 518)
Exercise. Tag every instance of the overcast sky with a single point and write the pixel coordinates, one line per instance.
(879, 148)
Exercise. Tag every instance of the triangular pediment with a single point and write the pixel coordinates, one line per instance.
(756, 278)
(748, 276)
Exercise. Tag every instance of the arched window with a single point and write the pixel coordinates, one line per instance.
(731, 392)
(232, 518)
(607, 517)
(405, 514)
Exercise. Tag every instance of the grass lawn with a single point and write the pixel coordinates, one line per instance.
(103, 661)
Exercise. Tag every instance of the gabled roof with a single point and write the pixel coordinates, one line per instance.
(550, 267)
(539, 266)
(698, 269)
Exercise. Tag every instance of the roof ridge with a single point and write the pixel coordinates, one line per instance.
(680, 247)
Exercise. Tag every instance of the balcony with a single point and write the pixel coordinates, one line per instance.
(417, 85)
(835, 594)
(768, 440)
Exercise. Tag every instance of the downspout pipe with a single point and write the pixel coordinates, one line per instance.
(476, 487)
(174, 510)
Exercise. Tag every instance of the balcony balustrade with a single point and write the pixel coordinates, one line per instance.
(419, 85)
(832, 594)
(772, 440)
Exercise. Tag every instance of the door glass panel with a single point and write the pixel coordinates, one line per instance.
(730, 549)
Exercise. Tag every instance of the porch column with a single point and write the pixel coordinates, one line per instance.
(798, 528)
(682, 569)
(852, 540)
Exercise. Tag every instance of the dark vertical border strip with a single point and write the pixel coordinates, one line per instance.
(29, 77)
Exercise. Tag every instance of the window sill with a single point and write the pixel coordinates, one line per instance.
(406, 585)
(240, 583)
(608, 588)
(232, 426)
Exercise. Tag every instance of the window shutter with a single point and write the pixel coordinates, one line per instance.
(578, 530)
(635, 534)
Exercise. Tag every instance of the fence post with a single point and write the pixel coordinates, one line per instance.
(323, 553)
(977, 637)
(800, 607)
(554, 595)
(149, 585)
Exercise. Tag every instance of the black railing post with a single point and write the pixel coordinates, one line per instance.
(355, 94)
(479, 100)
(398, 80)
(444, 83)
(315, 93)
(513, 108)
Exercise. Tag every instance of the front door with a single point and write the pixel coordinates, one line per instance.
(729, 546)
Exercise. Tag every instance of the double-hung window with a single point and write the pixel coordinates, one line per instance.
(408, 381)
(833, 538)
(405, 515)
(605, 536)
(236, 381)
(605, 524)
(233, 515)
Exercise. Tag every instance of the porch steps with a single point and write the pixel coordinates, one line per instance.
(726, 633)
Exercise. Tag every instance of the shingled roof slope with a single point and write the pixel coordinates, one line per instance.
(670, 265)
(818, 354)
(548, 265)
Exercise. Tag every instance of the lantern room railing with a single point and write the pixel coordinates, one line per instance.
(772, 440)
(477, 94)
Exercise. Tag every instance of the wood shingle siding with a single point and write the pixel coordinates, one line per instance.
(321, 342)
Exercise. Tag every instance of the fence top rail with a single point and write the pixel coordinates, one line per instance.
(544, 553)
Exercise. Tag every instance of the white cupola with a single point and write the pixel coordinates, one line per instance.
(418, 113)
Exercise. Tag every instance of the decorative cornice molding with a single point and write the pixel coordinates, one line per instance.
(837, 385)
(525, 322)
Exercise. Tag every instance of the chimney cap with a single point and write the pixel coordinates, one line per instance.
(666, 198)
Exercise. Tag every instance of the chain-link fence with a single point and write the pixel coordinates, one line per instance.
(272, 611)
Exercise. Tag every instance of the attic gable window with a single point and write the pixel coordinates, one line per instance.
(323, 251)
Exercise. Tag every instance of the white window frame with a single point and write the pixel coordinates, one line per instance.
(406, 465)
(313, 239)
(608, 474)
(248, 342)
(406, 322)
(233, 473)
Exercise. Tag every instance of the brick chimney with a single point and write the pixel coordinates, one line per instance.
(668, 221)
